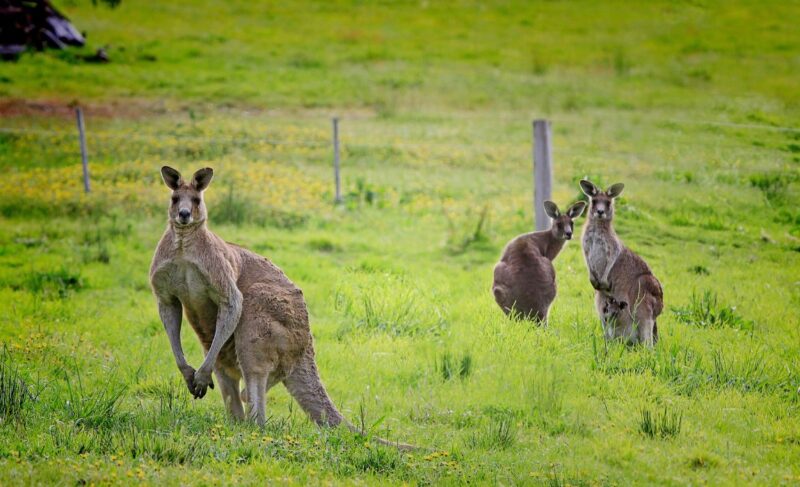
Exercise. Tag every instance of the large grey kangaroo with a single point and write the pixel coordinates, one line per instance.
(616, 272)
(250, 318)
(524, 279)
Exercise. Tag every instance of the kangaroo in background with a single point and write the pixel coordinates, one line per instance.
(617, 272)
(250, 318)
(524, 279)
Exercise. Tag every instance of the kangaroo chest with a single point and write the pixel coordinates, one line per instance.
(185, 280)
(599, 250)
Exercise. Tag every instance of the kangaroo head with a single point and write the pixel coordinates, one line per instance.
(562, 222)
(602, 202)
(187, 207)
(612, 307)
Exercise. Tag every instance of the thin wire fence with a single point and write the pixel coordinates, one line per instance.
(364, 135)
(346, 139)
(138, 136)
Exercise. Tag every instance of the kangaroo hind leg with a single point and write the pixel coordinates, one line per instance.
(229, 387)
(646, 325)
(256, 384)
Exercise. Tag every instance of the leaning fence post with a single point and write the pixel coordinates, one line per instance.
(542, 172)
(84, 157)
(337, 178)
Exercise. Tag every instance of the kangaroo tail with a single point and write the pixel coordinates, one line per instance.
(381, 441)
(306, 387)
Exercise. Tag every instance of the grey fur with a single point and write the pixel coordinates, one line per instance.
(525, 279)
(616, 272)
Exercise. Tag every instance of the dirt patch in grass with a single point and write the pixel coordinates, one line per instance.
(133, 109)
(142, 108)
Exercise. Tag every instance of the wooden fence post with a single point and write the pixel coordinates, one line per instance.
(84, 156)
(337, 177)
(542, 172)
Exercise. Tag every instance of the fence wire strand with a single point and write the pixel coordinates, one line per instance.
(523, 146)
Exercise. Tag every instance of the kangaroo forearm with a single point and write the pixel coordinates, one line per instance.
(227, 319)
(171, 315)
(604, 277)
(597, 283)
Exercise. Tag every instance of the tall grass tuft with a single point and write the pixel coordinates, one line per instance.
(14, 392)
(173, 448)
(233, 208)
(773, 185)
(467, 235)
(61, 282)
(448, 366)
(665, 424)
(170, 395)
(93, 409)
(545, 397)
(380, 307)
(746, 373)
(365, 194)
(705, 311)
(238, 209)
(499, 433)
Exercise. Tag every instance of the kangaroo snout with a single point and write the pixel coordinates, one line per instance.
(184, 215)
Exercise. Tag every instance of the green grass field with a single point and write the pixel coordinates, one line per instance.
(693, 105)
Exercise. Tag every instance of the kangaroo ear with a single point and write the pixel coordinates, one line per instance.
(551, 209)
(576, 210)
(589, 188)
(202, 178)
(615, 190)
(172, 178)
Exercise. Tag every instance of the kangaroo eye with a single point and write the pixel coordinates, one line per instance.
(174, 200)
(196, 201)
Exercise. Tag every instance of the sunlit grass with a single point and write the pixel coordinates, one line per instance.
(435, 103)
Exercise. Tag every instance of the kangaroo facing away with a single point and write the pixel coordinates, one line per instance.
(617, 273)
(250, 318)
(524, 279)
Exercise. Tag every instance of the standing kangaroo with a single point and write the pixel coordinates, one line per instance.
(617, 272)
(524, 279)
(250, 318)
